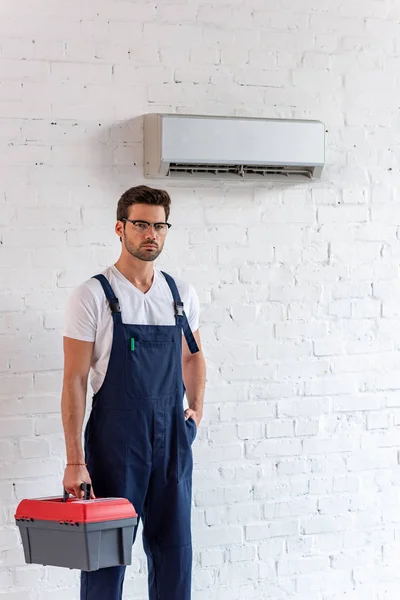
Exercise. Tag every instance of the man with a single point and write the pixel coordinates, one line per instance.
(136, 329)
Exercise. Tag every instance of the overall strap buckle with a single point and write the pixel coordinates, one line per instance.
(179, 309)
(114, 305)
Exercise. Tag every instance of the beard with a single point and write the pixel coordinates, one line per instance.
(145, 254)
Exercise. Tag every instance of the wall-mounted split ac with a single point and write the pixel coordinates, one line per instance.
(183, 146)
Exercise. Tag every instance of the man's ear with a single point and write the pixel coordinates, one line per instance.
(119, 229)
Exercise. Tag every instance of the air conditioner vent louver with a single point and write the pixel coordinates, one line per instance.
(239, 170)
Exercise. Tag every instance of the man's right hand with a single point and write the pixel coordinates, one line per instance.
(74, 476)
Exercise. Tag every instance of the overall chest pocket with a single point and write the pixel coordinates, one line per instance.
(154, 368)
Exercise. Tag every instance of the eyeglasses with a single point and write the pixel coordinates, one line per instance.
(144, 226)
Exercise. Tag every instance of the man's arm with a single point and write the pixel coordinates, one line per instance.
(77, 360)
(194, 378)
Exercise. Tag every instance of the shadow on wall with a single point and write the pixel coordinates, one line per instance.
(111, 158)
(119, 153)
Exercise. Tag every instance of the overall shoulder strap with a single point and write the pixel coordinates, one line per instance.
(180, 316)
(111, 297)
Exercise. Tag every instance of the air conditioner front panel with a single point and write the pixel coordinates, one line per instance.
(203, 140)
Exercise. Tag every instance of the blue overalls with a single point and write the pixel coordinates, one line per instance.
(138, 446)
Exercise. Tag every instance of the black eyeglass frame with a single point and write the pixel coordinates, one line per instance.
(134, 221)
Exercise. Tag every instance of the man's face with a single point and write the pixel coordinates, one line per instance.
(141, 242)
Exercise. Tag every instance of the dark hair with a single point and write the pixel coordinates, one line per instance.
(142, 194)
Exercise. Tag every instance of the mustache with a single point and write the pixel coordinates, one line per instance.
(149, 244)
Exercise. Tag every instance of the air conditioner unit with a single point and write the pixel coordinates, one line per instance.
(184, 146)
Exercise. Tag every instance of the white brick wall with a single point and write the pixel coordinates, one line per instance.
(297, 480)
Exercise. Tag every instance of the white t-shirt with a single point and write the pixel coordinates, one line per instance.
(88, 315)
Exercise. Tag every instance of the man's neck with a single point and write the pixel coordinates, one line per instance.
(140, 273)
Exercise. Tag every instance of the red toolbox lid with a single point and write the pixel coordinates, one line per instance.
(78, 511)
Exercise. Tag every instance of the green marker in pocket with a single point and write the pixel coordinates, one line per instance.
(132, 344)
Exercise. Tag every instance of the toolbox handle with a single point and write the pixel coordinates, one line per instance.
(85, 487)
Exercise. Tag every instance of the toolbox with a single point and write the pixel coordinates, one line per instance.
(77, 533)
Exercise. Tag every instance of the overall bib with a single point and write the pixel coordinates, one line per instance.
(138, 446)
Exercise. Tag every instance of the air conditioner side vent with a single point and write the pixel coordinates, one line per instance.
(242, 171)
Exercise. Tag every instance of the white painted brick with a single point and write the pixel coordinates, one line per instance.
(271, 549)
(279, 429)
(320, 61)
(156, 74)
(326, 463)
(244, 312)
(238, 572)
(176, 12)
(86, 73)
(292, 466)
(242, 553)
(24, 594)
(302, 566)
(302, 407)
(232, 515)
(292, 508)
(172, 35)
(378, 420)
(326, 524)
(34, 448)
(381, 458)
(230, 452)
(218, 536)
(280, 489)
(171, 56)
(8, 449)
(274, 390)
(320, 485)
(346, 484)
(330, 385)
(48, 424)
(62, 594)
(202, 56)
(303, 330)
(25, 70)
(249, 431)
(342, 214)
(277, 41)
(37, 487)
(271, 530)
(280, 20)
(303, 367)
(311, 77)
(212, 557)
(15, 427)
(356, 253)
(288, 60)
(23, 49)
(6, 578)
(260, 410)
(240, 215)
(338, 580)
(264, 78)
(306, 426)
(329, 347)
(279, 447)
(334, 504)
(300, 546)
(396, 417)
(275, 233)
(221, 434)
(256, 371)
(29, 576)
(298, 212)
(32, 468)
